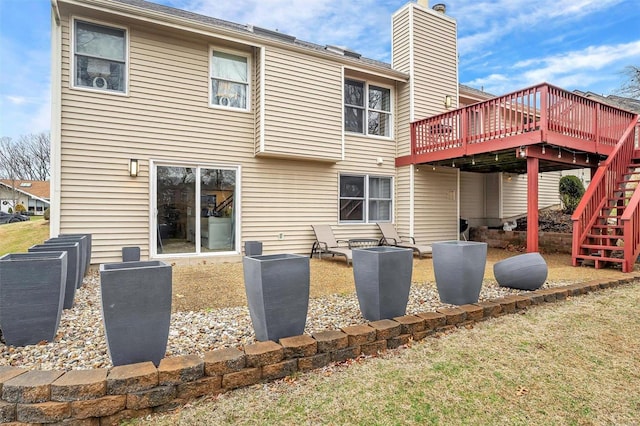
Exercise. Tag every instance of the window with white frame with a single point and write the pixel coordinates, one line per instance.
(365, 199)
(100, 54)
(367, 108)
(229, 79)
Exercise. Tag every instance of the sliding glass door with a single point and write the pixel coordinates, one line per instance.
(195, 209)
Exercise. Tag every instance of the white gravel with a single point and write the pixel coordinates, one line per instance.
(80, 342)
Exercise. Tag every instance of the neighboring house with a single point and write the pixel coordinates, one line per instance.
(32, 194)
(187, 135)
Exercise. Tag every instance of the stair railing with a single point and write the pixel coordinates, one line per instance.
(603, 183)
(631, 226)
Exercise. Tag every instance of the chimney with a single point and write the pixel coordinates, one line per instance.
(423, 3)
(440, 7)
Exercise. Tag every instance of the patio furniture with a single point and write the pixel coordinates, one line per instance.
(326, 243)
(390, 237)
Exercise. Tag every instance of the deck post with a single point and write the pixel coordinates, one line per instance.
(532, 204)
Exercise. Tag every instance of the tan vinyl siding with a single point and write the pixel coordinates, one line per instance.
(402, 62)
(403, 201)
(515, 193)
(403, 128)
(492, 191)
(165, 115)
(258, 91)
(472, 197)
(436, 205)
(303, 106)
(435, 62)
(401, 41)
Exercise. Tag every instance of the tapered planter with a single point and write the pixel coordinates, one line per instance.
(277, 287)
(382, 277)
(88, 248)
(136, 310)
(459, 270)
(523, 272)
(31, 296)
(253, 248)
(73, 267)
(84, 250)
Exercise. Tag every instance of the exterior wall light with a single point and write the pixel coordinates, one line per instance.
(133, 167)
(447, 101)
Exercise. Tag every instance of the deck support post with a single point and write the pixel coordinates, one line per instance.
(533, 166)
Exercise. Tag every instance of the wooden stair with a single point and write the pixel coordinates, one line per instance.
(604, 241)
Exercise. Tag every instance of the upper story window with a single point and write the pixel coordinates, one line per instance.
(365, 199)
(229, 80)
(100, 54)
(367, 108)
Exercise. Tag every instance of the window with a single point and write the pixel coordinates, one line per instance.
(229, 80)
(365, 199)
(367, 109)
(99, 57)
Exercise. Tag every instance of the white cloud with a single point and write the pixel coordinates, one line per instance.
(491, 22)
(362, 26)
(16, 100)
(568, 70)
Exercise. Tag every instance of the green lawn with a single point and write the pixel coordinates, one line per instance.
(19, 236)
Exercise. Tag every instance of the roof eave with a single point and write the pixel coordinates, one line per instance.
(211, 30)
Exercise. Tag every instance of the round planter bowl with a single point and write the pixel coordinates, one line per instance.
(523, 272)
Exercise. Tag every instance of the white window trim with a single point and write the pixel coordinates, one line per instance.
(153, 191)
(367, 109)
(249, 57)
(72, 58)
(366, 198)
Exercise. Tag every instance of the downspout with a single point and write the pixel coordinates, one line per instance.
(55, 131)
(411, 118)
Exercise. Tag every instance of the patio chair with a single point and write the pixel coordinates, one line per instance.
(390, 237)
(326, 243)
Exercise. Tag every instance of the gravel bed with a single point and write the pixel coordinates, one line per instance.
(80, 343)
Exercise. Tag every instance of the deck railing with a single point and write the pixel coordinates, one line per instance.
(544, 108)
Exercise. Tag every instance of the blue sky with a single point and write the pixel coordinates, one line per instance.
(504, 45)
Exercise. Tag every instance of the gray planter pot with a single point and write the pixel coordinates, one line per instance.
(130, 254)
(459, 270)
(84, 250)
(252, 248)
(277, 289)
(31, 296)
(73, 266)
(136, 310)
(88, 248)
(383, 280)
(524, 272)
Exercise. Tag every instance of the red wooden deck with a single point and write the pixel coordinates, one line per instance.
(545, 128)
(557, 121)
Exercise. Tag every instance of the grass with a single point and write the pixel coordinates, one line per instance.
(575, 362)
(19, 236)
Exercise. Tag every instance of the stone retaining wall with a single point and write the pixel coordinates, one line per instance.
(548, 242)
(108, 396)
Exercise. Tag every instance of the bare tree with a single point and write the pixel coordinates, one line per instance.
(631, 87)
(9, 167)
(27, 158)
